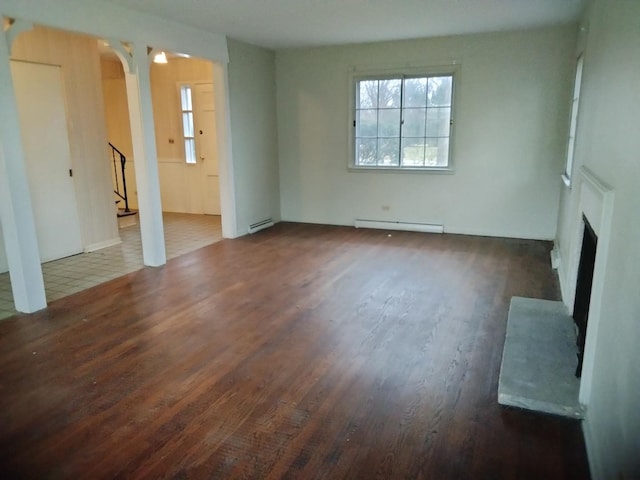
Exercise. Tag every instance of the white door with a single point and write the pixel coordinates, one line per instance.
(206, 146)
(43, 124)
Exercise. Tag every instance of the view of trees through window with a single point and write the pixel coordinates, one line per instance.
(403, 122)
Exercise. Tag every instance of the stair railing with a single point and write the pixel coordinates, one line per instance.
(115, 156)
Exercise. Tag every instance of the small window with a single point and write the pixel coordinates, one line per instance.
(574, 123)
(188, 131)
(403, 122)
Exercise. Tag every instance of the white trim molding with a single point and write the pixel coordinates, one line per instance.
(104, 244)
(593, 449)
(596, 204)
(400, 226)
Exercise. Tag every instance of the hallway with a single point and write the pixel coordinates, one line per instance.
(183, 233)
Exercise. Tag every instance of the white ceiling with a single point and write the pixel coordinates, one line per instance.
(301, 23)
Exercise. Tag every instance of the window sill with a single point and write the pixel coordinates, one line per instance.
(566, 180)
(431, 170)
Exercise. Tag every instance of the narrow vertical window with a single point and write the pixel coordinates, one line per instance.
(186, 106)
(574, 122)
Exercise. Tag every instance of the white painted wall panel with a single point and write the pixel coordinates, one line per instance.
(510, 135)
(607, 143)
(4, 266)
(252, 99)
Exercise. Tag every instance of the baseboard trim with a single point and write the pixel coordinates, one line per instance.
(558, 264)
(261, 225)
(595, 466)
(455, 230)
(492, 233)
(100, 245)
(401, 226)
(555, 257)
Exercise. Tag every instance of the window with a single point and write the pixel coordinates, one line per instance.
(574, 123)
(186, 106)
(403, 122)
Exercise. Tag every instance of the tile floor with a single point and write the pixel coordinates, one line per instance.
(183, 233)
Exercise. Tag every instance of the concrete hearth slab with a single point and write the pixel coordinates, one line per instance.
(539, 359)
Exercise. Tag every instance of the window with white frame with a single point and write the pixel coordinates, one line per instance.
(403, 122)
(188, 131)
(574, 123)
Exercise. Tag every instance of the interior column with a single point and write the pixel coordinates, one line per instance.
(145, 157)
(16, 213)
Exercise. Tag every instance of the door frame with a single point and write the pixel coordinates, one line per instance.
(199, 155)
(73, 194)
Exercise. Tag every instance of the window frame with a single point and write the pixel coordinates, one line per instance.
(576, 92)
(182, 111)
(356, 75)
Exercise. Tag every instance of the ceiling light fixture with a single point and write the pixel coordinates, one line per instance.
(160, 58)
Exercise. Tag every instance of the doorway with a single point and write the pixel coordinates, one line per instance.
(39, 90)
(206, 146)
(183, 106)
(184, 111)
(90, 202)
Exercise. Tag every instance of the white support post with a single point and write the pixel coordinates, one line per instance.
(16, 212)
(223, 127)
(146, 157)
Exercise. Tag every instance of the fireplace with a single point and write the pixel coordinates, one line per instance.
(541, 375)
(582, 282)
(583, 288)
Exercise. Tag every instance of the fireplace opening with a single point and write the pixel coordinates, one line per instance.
(583, 288)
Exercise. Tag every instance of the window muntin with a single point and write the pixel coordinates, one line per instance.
(403, 121)
(188, 130)
(574, 122)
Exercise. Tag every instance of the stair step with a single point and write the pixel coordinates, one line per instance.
(122, 213)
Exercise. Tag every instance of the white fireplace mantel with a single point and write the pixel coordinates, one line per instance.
(596, 205)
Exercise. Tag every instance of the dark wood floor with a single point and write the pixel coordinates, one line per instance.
(300, 352)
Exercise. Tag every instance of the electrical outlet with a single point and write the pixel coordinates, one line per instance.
(385, 208)
(171, 141)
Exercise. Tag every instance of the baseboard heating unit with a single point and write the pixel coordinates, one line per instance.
(404, 226)
(261, 225)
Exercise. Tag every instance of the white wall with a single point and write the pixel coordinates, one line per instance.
(508, 146)
(252, 92)
(4, 265)
(608, 143)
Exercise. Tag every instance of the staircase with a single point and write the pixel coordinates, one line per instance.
(126, 216)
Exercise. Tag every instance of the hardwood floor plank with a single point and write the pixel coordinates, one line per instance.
(304, 351)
